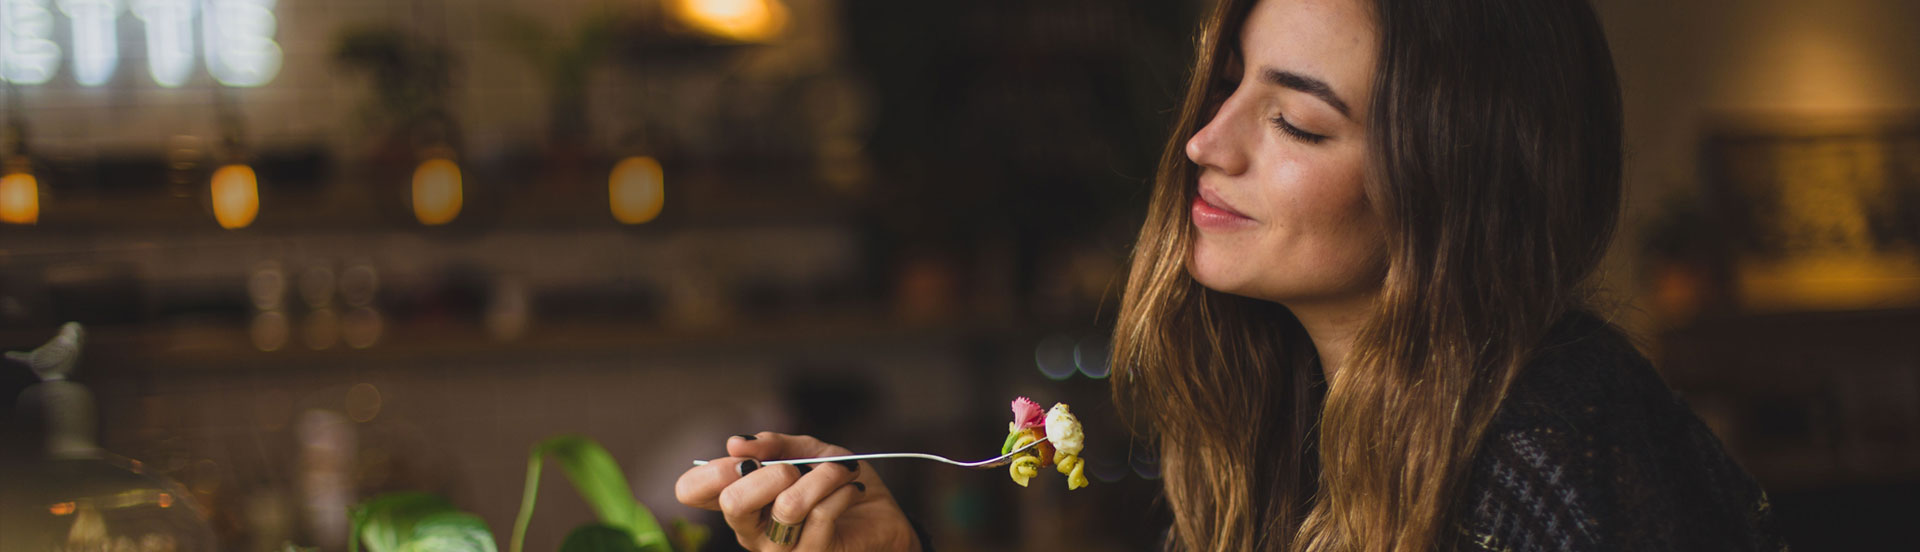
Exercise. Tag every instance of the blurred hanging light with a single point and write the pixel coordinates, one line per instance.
(19, 197)
(635, 190)
(436, 191)
(19, 190)
(742, 20)
(236, 196)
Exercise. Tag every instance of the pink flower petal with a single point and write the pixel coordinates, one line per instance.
(1028, 414)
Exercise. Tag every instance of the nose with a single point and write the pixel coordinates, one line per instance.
(1217, 145)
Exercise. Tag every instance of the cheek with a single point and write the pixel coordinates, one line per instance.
(1326, 239)
(1348, 241)
(1321, 197)
(1318, 238)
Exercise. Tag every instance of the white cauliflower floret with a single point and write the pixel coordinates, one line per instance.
(1063, 430)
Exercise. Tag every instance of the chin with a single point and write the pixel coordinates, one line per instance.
(1216, 270)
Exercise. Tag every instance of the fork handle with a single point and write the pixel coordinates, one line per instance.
(994, 462)
(856, 457)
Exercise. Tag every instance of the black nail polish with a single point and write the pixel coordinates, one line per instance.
(747, 467)
(862, 487)
(850, 465)
(746, 437)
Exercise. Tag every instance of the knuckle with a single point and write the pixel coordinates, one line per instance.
(791, 507)
(730, 498)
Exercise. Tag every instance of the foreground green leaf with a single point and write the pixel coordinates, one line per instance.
(599, 537)
(416, 522)
(599, 481)
(689, 536)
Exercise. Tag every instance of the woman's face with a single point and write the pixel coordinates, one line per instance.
(1281, 209)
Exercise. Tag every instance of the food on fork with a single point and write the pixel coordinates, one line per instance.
(1063, 441)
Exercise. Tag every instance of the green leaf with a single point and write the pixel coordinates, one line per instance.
(453, 532)
(689, 536)
(599, 537)
(599, 481)
(410, 521)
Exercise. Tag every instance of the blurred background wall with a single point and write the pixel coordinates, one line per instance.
(467, 226)
(1772, 159)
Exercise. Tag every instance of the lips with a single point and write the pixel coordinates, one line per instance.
(1212, 213)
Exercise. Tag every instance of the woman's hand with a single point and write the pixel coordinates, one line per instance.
(837, 507)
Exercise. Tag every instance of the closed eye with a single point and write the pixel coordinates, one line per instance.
(1281, 123)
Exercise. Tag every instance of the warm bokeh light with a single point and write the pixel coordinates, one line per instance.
(19, 198)
(743, 20)
(363, 402)
(269, 331)
(361, 327)
(436, 191)
(1830, 280)
(236, 196)
(636, 190)
(61, 509)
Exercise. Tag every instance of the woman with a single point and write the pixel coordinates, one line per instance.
(1367, 250)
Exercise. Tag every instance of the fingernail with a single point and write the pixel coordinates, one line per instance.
(746, 437)
(862, 487)
(850, 465)
(747, 467)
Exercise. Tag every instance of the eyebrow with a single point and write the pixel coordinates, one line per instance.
(1318, 88)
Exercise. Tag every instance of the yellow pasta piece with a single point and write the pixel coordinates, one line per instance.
(1024, 468)
(1078, 477)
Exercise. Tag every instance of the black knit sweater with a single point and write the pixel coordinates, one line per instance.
(1592, 451)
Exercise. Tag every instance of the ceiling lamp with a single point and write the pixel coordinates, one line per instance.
(635, 190)
(236, 196)
(436, 191)
(741, 20)
(19, 196)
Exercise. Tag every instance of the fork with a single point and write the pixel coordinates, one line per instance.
(994, 462)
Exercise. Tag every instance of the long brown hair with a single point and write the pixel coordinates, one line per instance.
(1494, 166)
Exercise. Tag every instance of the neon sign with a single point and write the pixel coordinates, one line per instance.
(27, 55)
(239, 41)
(96, 49)
(235, 38)
(169, 25)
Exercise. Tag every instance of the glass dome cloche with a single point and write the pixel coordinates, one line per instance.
(77, 497)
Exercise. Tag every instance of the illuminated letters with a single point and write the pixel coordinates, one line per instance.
(239, 40)
(169, 26)
(27, 55)
(236, 36)
(96, 45)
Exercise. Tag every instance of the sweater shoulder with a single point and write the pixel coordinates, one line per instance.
(1590, 450)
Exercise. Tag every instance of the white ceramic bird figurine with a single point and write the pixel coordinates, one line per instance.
(56, 359)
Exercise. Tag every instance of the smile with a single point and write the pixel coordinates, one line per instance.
(1211, 213)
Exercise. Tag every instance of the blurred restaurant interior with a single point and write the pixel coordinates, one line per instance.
(328, 250)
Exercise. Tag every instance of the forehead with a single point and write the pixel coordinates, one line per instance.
(1332, 40)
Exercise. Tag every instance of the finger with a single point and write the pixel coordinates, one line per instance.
(743, 503)
(818, 531)
(768, 445)
(793, 504)
(700, 487)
